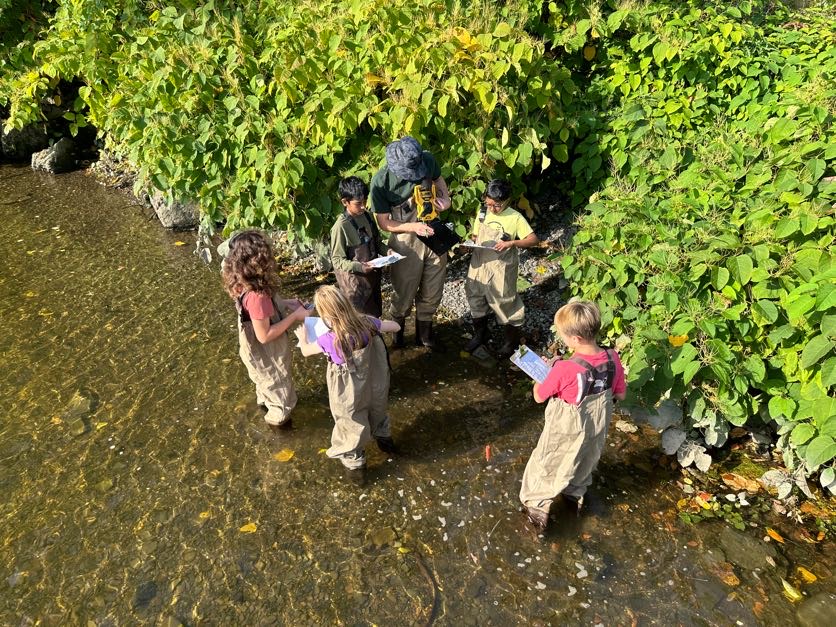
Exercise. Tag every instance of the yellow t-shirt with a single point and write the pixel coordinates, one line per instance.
(509, 221)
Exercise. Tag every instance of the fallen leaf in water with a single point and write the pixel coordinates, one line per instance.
(701, 501)
(821, 536)
(540, 270)
(774, 535)
(248, 528)
(739, 482)
(758, 608)
(46, 313)
(179, 243)
(205, 515)
(56, 420)
(284, 455)
(677, 340)
(403, 549)
(322, 450)
(806, 575)
(100, 425)
(790, 592)
(30, 294)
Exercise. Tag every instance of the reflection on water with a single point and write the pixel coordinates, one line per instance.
(140, 483)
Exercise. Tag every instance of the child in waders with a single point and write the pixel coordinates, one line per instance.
(357, 376)
(355, 240)
(250, 276)
(492, 276)
(580, 392)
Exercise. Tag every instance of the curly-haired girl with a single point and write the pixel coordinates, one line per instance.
(250, 276)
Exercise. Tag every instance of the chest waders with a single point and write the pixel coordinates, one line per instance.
(358, 395)
(363, 290)
(269, 365)
(418, 278)
(492, 285)
(572, 441)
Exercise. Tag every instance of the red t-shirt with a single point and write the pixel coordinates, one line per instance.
(565, 378)
(258, 305)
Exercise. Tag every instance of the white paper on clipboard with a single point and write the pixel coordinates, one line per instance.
(471, 244)
(388, 260)
(530, 363)
(314, 328)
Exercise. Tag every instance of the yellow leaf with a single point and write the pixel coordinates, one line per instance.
(681, 503)
(373, 79)
(523, 204)
(540, 270)
(322, 450)
(56, 420)
(791, 593)
(205, 515)
(806, 575)
(179, 243)
(774, 535)
(730, 579)
(100, 425)
(30, 294)
(403, 549)
(702, 502)
(677, 340)
(284, 455)
(589, 52)
(45, 313)
(248, 528)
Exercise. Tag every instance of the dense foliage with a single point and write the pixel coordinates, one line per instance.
(696, 138)
(255, 112)
(710, 244)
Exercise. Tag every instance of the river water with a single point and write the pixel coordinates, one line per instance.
(141, 484)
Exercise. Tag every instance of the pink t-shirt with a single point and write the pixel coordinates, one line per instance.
(565, 378)
(258, 305)
(328, 343)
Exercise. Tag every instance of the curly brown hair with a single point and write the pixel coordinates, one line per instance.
(250, 265)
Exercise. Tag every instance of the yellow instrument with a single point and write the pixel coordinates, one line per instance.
(424, 196)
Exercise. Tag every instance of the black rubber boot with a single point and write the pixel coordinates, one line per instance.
(480, 334)
(512, 341)
(399, 341)
(424, 336)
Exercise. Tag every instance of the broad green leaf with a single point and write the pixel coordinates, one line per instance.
(802, 433)
(786, 227)
(741, 268)
(719, 277)
(820, 451)
(766, 310)
(798, 307)
(828, 372)
(816, 168)
(815, 349)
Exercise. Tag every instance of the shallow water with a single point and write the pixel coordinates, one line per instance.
(141, 486)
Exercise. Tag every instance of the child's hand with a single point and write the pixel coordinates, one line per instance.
(550, 361)
(501, 246)
(367, 267)
(301, 335)
(301, 313)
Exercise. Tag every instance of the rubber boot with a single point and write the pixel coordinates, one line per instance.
(480, 334)
(512, 341)
(399, 341)
(424, 335)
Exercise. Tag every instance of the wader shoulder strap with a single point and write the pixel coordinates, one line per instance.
(596, 379)
(375, 233)
(242, 313)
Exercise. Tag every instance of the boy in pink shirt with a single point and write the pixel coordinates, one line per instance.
(580, 392)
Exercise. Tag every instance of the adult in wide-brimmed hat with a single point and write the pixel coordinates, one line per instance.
(419, 278)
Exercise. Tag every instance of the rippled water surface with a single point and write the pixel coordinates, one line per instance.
(140, 485)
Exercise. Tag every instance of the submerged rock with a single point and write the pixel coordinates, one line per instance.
(818, 610)
(57, 158)
(174, 214)
(745, 551)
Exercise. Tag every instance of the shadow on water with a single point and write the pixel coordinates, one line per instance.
(141, 484)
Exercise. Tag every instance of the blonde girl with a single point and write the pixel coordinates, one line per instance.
(250, 277)
(357, 376)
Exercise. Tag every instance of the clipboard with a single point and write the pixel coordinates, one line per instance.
(442, 239)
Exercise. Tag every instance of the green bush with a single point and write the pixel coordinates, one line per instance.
(710, 242)
(256, 112)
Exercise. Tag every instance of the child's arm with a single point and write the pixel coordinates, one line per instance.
(307, 348)
(266, 332)
(537, 397)
(527, 242)
(620, 396)
(389, 326)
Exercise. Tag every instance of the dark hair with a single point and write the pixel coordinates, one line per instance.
(250, 265)
(498, 189)
(352, 188)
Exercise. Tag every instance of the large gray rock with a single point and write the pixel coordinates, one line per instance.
(57, 158)
(18, 145)
(745, 551)
(174, 215)
(817, 611)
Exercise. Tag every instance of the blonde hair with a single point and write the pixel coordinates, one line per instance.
(352, 329)
(581, 318)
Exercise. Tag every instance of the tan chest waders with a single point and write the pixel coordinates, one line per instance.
(492, 278)
(572, 440)
(269, 365)
(358, 394)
